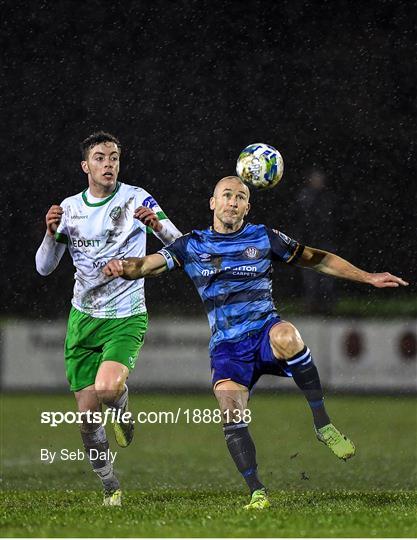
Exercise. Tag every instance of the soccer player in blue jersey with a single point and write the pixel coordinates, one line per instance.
(230, 265)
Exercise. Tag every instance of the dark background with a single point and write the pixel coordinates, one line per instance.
(186, 85)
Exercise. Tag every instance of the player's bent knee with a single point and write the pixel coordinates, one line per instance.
(232, 398)
(285, 340)
(110, 381)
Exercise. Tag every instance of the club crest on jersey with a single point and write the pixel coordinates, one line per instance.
(204, 257)
(251, 252)
(115, 213)
(149, 202)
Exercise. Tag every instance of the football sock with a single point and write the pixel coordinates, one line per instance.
(95, 443)
(243, 452)
(306, 377)
(121, 401)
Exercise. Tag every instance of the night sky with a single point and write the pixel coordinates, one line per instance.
(186, 85)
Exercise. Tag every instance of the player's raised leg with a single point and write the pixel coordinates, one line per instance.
(96, 446)
(112, 391)
(233, 398)
(287, 345)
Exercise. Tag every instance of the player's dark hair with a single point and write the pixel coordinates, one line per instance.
(97, 138)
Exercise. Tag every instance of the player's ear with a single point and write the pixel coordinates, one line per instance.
(247, 209)
(212, 203)
(84, 167)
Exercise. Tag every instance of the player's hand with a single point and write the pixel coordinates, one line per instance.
(114, 268)
(148, 218)
(385, 279)
(53, 219)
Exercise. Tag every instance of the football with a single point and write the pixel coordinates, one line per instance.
(260, 166)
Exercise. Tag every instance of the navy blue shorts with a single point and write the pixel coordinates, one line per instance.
(246, 360)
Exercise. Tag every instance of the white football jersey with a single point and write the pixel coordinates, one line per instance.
(98, 231)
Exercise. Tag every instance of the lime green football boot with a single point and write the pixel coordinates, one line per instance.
(113, 498)
(338, 443)
(124, 431)
(259, 501)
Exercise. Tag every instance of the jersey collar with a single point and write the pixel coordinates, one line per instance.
(104, 201)
(228, 235)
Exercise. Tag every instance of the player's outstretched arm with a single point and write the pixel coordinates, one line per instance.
(136, 267)
(333, 265)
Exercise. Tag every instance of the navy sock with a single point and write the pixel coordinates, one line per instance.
(242, 449)
(306, 377)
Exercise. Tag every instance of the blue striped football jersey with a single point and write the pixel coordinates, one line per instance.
(232, 274)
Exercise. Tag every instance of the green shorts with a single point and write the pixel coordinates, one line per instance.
(90, 341)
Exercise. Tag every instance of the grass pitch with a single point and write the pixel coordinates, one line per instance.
(179, 480)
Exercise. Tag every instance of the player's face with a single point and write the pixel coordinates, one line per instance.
(102, 166)
(230, 203)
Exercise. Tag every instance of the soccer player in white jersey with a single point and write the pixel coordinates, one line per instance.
(108, 319)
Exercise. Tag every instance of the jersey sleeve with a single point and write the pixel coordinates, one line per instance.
(175, 254)
(145, 199)
(48, 255)
(169, 231)
(283, 248)
(61, 234)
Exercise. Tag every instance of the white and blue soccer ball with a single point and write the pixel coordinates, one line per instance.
(260, 166)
